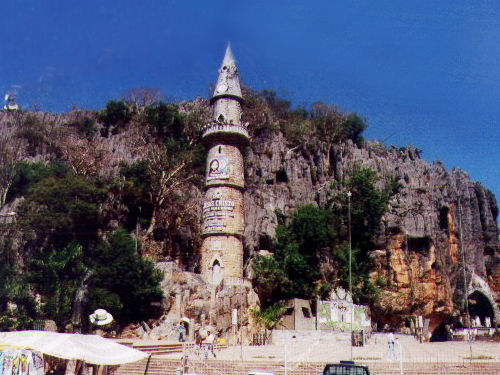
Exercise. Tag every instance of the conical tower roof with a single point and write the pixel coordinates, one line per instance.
(228, 82)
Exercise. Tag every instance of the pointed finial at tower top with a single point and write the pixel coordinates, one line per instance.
(228, 83)
(228, 57)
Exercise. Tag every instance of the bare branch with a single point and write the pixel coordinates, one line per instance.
(11, 152)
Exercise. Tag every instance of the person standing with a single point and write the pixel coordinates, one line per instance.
(197, 342)
(209, 342)
(391, 354)
(181, 330)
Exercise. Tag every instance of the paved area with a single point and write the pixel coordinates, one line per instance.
(374, 350)
(321, 350)
(307, 356)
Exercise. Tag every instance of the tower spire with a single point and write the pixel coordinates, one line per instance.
(228, 57)
(228, 82)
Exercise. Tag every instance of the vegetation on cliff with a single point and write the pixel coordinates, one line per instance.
(71, 204)
(311, 248)
(322, 123)
(61, 222)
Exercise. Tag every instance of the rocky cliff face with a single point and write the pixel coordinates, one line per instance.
(418, 259)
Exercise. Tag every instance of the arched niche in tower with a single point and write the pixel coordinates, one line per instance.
(216, 266)
(216, 272)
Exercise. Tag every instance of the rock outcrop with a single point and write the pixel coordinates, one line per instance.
(418, 260)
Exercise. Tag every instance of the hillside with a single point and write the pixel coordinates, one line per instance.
(146, 167)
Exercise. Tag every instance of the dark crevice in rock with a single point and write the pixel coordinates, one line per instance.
(281, 176)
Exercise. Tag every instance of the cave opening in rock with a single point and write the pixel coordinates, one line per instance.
(419, 244)
(281, 176)
(265, 242)
(443, 218)
(442, 332)
(480, 306)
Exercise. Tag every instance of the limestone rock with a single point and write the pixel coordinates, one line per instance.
(418, 258)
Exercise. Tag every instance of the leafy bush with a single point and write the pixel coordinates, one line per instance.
(114, 117)
(65, 217)
(324, 122)
(271, 316)
(28, 174)
(20, 322)
(30, 128)
(56, 276)
(62, 209)
(13, 289)
(86, 127)
(164, 120)
(294, 269)
(278, 105)
(353, 127)
(124, 282)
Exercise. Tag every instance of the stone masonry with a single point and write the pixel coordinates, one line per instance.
(223, 211)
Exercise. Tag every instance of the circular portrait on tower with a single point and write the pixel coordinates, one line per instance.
(217, 168)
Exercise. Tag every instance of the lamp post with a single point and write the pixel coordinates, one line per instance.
(350, 258)
(466, 285)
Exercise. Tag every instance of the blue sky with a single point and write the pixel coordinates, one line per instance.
(424, 73)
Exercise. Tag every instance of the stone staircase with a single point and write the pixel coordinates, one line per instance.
(163, 348)
(164, 366)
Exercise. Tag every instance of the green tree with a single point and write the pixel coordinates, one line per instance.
(14, 289)
(353, 127)
(56, 277)
(165, 120)
(16, 301)
(61, 219)
(60, 210)
(124, 283)
(135, 194)
(368, 205)
(316, 237)
(270, 279)
(30, 173)
(293, 271)
(114, 117)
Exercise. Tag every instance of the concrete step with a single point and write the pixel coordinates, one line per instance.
(215, 367)
(170, 348)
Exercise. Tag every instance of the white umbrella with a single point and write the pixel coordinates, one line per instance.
(88, 348)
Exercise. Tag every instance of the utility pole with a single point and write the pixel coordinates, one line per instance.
(466, 286)
(350, 259)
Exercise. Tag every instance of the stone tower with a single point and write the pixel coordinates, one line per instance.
(223, 213)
